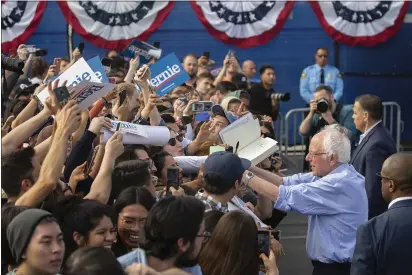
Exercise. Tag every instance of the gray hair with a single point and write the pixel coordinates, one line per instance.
(336, 143)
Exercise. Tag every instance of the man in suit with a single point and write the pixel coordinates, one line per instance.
(383, 244)
(375, 145)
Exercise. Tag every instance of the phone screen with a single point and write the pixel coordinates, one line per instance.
(81, 47)
(206, 54)
(172, 178)
(56, 63)
(264, 242)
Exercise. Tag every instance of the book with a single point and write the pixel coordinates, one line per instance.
(245, 135)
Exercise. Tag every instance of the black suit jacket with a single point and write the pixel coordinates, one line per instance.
(368, 159)
(383, 244)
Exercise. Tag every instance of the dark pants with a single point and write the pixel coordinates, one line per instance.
(330, 269)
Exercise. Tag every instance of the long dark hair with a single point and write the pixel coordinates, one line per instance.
(240, 257)
(78, 215)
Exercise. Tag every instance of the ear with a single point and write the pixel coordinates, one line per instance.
(392, 186)
(236, 185)
(182, 246)
(79, 239)
(25, 185)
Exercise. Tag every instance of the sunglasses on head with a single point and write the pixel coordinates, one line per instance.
(172, 142)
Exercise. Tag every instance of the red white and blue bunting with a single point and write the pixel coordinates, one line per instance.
(19, 19)
(364, 23)
(244, 24)
(112, 24)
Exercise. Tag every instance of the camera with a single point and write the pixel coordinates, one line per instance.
(322, 106)
(202, 106)
(36, 51)
(12, 64)
(281, 97)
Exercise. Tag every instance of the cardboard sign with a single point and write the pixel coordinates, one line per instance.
(131, 128)
(144, 50)
(78, 72)
(86, 93)
(167, 74)
(97, 67)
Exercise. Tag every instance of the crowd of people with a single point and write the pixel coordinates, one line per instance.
(75, 203)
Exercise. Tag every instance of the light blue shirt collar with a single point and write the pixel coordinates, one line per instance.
(361, 137)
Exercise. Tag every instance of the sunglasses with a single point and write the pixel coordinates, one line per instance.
(172, 142)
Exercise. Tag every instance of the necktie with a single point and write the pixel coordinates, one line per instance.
(322, 76)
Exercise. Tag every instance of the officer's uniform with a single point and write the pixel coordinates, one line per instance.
(314, 75)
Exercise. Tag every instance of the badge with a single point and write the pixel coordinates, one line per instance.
(303, 76)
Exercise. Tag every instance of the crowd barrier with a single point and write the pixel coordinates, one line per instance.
(292, 143)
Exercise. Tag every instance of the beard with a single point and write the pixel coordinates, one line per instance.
(185, 260)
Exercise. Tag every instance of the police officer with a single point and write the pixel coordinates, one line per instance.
(320, 73)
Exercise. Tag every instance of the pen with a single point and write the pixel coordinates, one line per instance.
(237, 147)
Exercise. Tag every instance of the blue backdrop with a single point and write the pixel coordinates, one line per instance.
(291, 51)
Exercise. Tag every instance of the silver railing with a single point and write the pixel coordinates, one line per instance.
(293, 143)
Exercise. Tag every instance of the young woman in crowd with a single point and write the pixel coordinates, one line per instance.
(86, 223)
(132, 207)
(234, 232)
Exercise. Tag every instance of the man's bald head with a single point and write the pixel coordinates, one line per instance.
(398, 167)
(249, 67)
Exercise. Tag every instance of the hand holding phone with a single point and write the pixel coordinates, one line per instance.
(122, 97)
(62, 95)
(202, 106)
(81, 47)
(264, 242)
(56, 63)
(172, 178)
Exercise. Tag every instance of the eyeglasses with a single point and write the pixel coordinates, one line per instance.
(323, 55)
(206, 236)
(311, 155)
(172, 142)
(131, 223)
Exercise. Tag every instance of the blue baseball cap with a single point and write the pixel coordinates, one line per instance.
(226, 165)
(218, 110)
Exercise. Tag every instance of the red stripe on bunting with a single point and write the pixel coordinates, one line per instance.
(249, 42)
(115, 44)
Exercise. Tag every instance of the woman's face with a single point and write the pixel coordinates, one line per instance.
(174, 147)
(46, 249)
(103, 235)
(129, 223)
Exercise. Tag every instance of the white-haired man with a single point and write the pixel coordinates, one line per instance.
(333, 196)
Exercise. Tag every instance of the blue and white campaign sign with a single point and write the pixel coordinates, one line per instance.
(86, 93)
(167, 74)
(97, 67)
(77, 73)
(144, 50)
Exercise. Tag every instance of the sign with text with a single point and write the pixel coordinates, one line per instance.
(127, 127)
(97, 67)
(86, 93)
(144, 50)
(167, 74)
(77, 73)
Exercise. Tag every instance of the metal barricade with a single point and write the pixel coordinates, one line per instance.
(295, 144)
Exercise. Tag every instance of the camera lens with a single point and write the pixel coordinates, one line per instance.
(322, 106)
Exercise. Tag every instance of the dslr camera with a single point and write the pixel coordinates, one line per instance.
(281, 97)
(322, 106)
(12, 64)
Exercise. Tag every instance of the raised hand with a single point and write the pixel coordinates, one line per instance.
(68, 119)
(114, 146)
(99, 122)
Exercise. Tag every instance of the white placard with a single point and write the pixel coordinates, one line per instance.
(86, 93)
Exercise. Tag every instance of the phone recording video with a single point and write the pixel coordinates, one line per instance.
(172, 178)
(81, 47)
(264, 242)
(202, 106)
(206, 54)
(56, 63)
(122, 97)
(62, 95)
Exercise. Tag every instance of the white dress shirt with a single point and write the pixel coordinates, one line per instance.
(361, 137)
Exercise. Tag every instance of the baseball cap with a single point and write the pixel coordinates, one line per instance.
(226, 165)
(239, 94)
(218, 110)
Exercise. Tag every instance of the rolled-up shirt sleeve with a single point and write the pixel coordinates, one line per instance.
(313, 198)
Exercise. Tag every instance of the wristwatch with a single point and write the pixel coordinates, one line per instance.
(249, 176)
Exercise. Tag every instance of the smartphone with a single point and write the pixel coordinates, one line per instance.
(156, 44)
(276, 234)
(231, 54)
(206, 54)
(81, 47)
(202, 106)
(107, 62)
(264, 242)
(62, 95)
(183, 99)
(56, 63)
(90, 161)
(172, 178)
(122, 97)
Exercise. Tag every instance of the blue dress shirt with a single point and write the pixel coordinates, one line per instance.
(336, 204)
(310, 80)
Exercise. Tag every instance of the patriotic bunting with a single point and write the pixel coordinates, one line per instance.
(364, 23)
(112, 24)
(19, 19)
(244, 24)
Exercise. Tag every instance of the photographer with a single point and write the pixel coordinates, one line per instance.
(325, 111)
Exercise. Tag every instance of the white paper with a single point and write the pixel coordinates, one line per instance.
(237, 204)
(156, 136)
(241, 121)
(78, 72)
(86, 93)
(131, 128)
